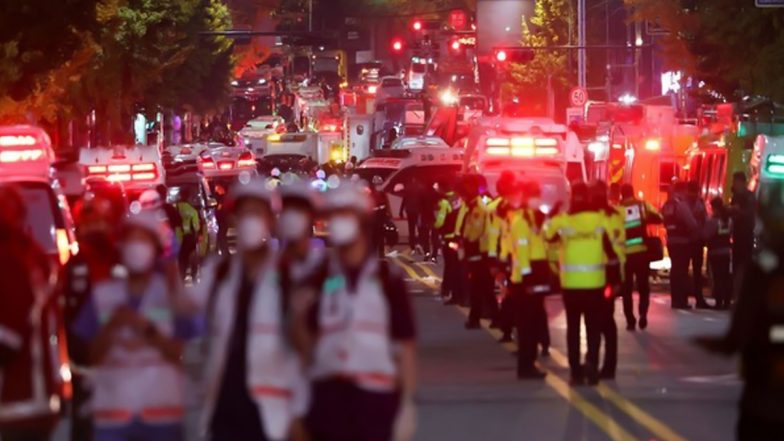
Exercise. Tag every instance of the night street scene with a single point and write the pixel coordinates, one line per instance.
(391, 220)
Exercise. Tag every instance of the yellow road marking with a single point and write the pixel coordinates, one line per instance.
(601, 419)
(658, 428)
(428, 270)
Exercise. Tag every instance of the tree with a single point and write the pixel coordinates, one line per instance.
(549, 26)
(732, 46)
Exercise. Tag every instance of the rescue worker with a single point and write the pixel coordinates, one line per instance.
(527, 305)
(97, 259)
(742, 208)
(498, 236)
(136, 337)
(27, 331)
(680, 224)
(472, 231)
(364, 330)
(274, 178)
(381, 216)
(188, 232)
(255, 388)
(717, 235)
(172, 213)
(584, 245)
(614, 219)
(755, 329)
(301, 253)
(446, 225)
(427, 218)
(320, 183)
(637, 216)
(541, 281)
(697, 257)
(411, 209)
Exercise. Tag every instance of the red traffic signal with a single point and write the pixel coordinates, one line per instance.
(455, 45)
(398, 45)
(417, 25)
(513, 55)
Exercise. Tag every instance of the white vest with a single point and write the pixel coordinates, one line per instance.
(354, 341)
(134, 380)
(275, 379)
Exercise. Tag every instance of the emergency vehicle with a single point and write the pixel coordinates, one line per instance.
(398, 168)
(137, 167)
(287, 151)
(537, 149)
(42, 376)
(406, 142)
(767, 162)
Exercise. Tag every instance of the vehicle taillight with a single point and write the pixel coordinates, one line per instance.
(497, 142)
(207, 163)
(21, 155)
(96, 169)
(225, 165)
(246, 160)
(143, 167)
(119, 168)
(547, 151)
(63, 245)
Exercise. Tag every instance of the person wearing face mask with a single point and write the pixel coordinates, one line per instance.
(136, 338)
(362, 332)
(255, 388)
(302, 253)
(97, 258)
(541, 281)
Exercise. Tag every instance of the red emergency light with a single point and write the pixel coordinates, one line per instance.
(397, 45)
(246, 160)
(524, 146)
(25, 147)
(455, 45)
(416, 25)
(500, 56)
(124, 172)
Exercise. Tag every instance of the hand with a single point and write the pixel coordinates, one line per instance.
(405, 422)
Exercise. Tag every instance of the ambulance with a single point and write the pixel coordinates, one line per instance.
(398, 168)
(136, 167)
(26, 157)
(767, 162)
(535, 149)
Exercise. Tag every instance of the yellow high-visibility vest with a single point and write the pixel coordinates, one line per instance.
(518, 241)
(580, 239)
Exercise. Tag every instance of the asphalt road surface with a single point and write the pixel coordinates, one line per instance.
(666, 388)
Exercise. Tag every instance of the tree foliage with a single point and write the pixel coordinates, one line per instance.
(734, 47)
(549, 26)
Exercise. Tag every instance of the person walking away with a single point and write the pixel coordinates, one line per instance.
(637, 216)
(97, 259)
(700, 215)
(444, 225)
(584, 248)
(528, 306)
(30, 404)
(363, 327)
(741, 210)
(755, 329)
(136, 337)
(255, 387)
(172, 213)
(428, 235)
(614, 219)
(381, 216)
(188, 232)
(410, 208)
(472, 228)
(717, 235)
(541, 281)
(680, 224)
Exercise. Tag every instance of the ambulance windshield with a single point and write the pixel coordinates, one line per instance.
(41, 208)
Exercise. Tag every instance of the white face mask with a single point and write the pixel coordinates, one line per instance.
(343, 229)
(252, 231)
(138, 256)
(293, 225)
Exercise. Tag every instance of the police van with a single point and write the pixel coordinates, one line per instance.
(26, 157)
(137, 167)
(398, 169)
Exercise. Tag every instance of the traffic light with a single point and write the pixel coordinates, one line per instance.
(455, 46)
(398, 45)
(513, 55)
(416, 25)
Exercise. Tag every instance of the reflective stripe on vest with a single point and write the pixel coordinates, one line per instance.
(634, 227)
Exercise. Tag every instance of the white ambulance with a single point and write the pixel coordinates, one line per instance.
(26, 157)
(137, 167)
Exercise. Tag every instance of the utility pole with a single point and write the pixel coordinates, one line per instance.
(581, 61)
(310, 15)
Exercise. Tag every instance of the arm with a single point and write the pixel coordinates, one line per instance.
(406, 364)
(169, 347)
(652, 216)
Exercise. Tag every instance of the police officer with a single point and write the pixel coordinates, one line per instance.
(698, 246)
(446, 225)
(363, 327)
(741, 209)
(255, 388)
(188, 232)
(584, 248)
(498, 239)
(615, 263)
(136, 337)
(542, 280)
(755, 331)
(637, 216)
(680, 224)
(717, 235)
(472, 230)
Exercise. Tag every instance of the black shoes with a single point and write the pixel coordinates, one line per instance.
(631, 326)
(643, 323)
(591, 375)
(531, 374)
(606, 375)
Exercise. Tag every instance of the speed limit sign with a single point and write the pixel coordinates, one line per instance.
(578, 96)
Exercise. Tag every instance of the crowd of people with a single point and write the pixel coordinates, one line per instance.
(296, 341)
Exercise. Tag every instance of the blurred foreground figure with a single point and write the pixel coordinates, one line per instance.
(254, 383)
(757, 329)
(362, 325)
(30, 403)
(135, 338)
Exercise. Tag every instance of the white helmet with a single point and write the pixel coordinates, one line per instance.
(255, 188)
(153, 222)
(298, 190)
(150, 200)
(321, 174)
(349, 195)
(275, 172)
